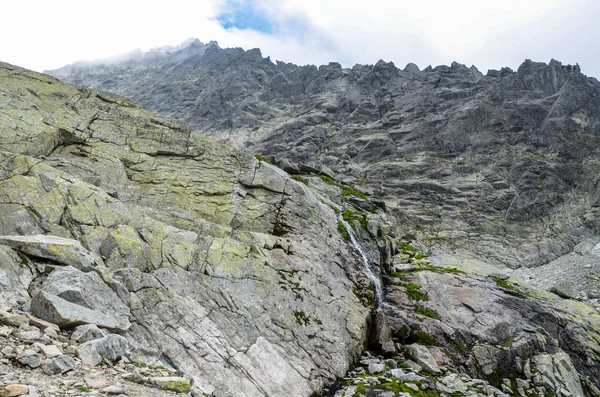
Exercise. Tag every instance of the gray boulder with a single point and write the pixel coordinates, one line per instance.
(60, 365)
(59, 249)
(15, 278)
(70, 297)
(111, 347)
(87, 332)
(421, 355)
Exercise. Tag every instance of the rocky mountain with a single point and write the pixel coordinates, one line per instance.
(502, 167)
(363, 232)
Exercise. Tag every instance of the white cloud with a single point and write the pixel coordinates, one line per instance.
(49, 34)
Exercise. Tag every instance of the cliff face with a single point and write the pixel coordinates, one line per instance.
(177, 247)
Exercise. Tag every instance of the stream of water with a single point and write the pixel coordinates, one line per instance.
(376, 281)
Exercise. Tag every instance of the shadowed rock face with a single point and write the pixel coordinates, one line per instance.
(169, 232)
(503, 165)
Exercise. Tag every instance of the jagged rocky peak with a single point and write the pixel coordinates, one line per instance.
(499, 156)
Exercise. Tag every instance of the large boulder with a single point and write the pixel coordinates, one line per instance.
(58, 249)
(15, 278)
(70, 297)
(111, 347)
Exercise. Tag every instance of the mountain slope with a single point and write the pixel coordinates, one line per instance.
(219, 266)
(177, 226)
(477, 164)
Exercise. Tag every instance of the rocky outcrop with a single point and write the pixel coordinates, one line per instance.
(206, 259)
(475, 164)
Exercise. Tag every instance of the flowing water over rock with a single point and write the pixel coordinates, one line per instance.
(367, 266)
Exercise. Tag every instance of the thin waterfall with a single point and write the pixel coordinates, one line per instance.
(376, 281)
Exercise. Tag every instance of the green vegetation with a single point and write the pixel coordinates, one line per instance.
(415, 335)
(424, 311)
(327, 180)
(343, 231)
(509, 342)
(414, 292)
(403, 332)
(301, 318)
(397, 386)
(431, 268)
(411, 251)
(350, 216)
(423, 338)
(510, 287)
(84, 389)
(260, 157)
(298, 178)
(346, 190)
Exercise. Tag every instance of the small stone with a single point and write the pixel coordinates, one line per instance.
(500, 276)
(414, 366)
(388, 348)
(14, 390)
(50, 351)
(375, 368)
(6, 331)
(13, 319)
(72, 350)
(42, 324)
(28, 336)
(412, 386)
(51, 332)
(391, 363)
(114, 390)
(424, 358)
(8, 352)
(60, 365)
(95, 382)
(29, 358)
(33, 392)
(111, 347)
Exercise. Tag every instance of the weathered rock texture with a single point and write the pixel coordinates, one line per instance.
(169, 238)
(237, 274)
(502, 165)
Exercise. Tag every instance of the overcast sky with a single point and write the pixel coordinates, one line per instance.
(49, 34)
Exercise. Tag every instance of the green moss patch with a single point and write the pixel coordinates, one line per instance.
(427, 312)
(301, 318)
(510, 287)
(260, 157)
(431, 268)
(343, 231)
(350, 216)
(346, 190)
(414, 292)
(298, 178)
